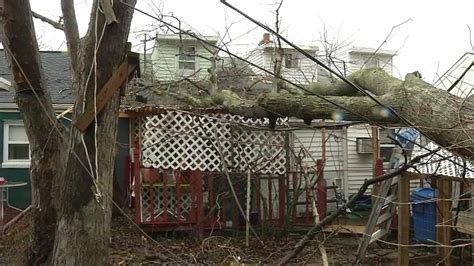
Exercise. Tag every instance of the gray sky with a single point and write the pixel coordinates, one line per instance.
(431, 42)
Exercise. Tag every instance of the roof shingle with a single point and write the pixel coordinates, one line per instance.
(57, 73)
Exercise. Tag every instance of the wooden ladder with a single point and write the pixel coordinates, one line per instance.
(383, 209)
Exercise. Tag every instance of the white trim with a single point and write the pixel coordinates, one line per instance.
(162, 37)
(5, 84)
(6, 107)
(6, 131)
(16, 164)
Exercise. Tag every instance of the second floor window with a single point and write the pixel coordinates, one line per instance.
(291, 60)
(372, 62)
(187, 58)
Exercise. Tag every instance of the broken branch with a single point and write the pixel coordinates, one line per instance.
(56, 24)
(313, 231)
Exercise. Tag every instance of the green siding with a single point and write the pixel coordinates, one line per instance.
(19, 197)
(165, 63)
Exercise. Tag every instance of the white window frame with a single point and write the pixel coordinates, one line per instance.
(372, 62)
(294, 60)
(13, 163)
(185, 71)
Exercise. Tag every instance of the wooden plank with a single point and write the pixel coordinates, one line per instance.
(377, 235)
(104, 95)
(444, 219)
(403, 220)
(466, 222)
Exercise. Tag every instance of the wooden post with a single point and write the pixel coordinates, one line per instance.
(321, 195)
(377, 164)
(247, 212)
(375, 148)
(444, 218)
(403, 219)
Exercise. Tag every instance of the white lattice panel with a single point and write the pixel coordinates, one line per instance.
(178, 140)
(438, 165)
(159, 207)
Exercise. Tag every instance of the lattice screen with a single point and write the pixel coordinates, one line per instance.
(159, 208)
(437, 164)
(179, 140)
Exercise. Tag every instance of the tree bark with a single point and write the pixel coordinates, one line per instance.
(85, 207)
(45, 134)
(442, 117)
(71, 224)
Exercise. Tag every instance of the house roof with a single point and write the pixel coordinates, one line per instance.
(438, 164)
(272, 45)
(57, 73)
(365, 50)
(212, 39)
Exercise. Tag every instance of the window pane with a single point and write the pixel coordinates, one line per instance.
(187, 53)
(373, 62)
(187, 65)
(291, 61)
(18, 152)
(17, 133)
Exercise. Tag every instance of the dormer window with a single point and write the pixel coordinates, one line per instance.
(187, 58)
(372, 62)
(291, 60)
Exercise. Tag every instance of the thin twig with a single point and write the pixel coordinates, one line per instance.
(315, 229)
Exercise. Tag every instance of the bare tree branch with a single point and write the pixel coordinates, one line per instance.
(71, 30)
(311, 233)
(470, 37)
(56, 24)
(384, 41)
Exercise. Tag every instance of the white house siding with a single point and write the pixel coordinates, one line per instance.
(359, 166)
(256, 57)
(356, 61)
(311, 141)
(165, 59)
(305, 73)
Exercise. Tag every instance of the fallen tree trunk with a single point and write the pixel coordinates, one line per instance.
(442, 117)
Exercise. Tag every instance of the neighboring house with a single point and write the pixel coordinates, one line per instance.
(175, 57)
(349, 158)
(15, 155)
(360, 57)
(459, 79)
(295, 66)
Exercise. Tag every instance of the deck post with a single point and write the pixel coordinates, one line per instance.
(403, 220)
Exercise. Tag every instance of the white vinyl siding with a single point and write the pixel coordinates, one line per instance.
(257, 58)
(168, 65)
(302, 70)
(310, 141)
(356, 61)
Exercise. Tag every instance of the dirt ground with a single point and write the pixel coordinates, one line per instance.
(130, 246)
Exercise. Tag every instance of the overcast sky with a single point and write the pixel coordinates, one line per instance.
(435, 37)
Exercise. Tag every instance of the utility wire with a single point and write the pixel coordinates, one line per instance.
(201, 39)
(193, 35)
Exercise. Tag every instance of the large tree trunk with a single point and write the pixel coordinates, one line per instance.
(44, 132)
(85, 202)
(72, 216)
(444, 118)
